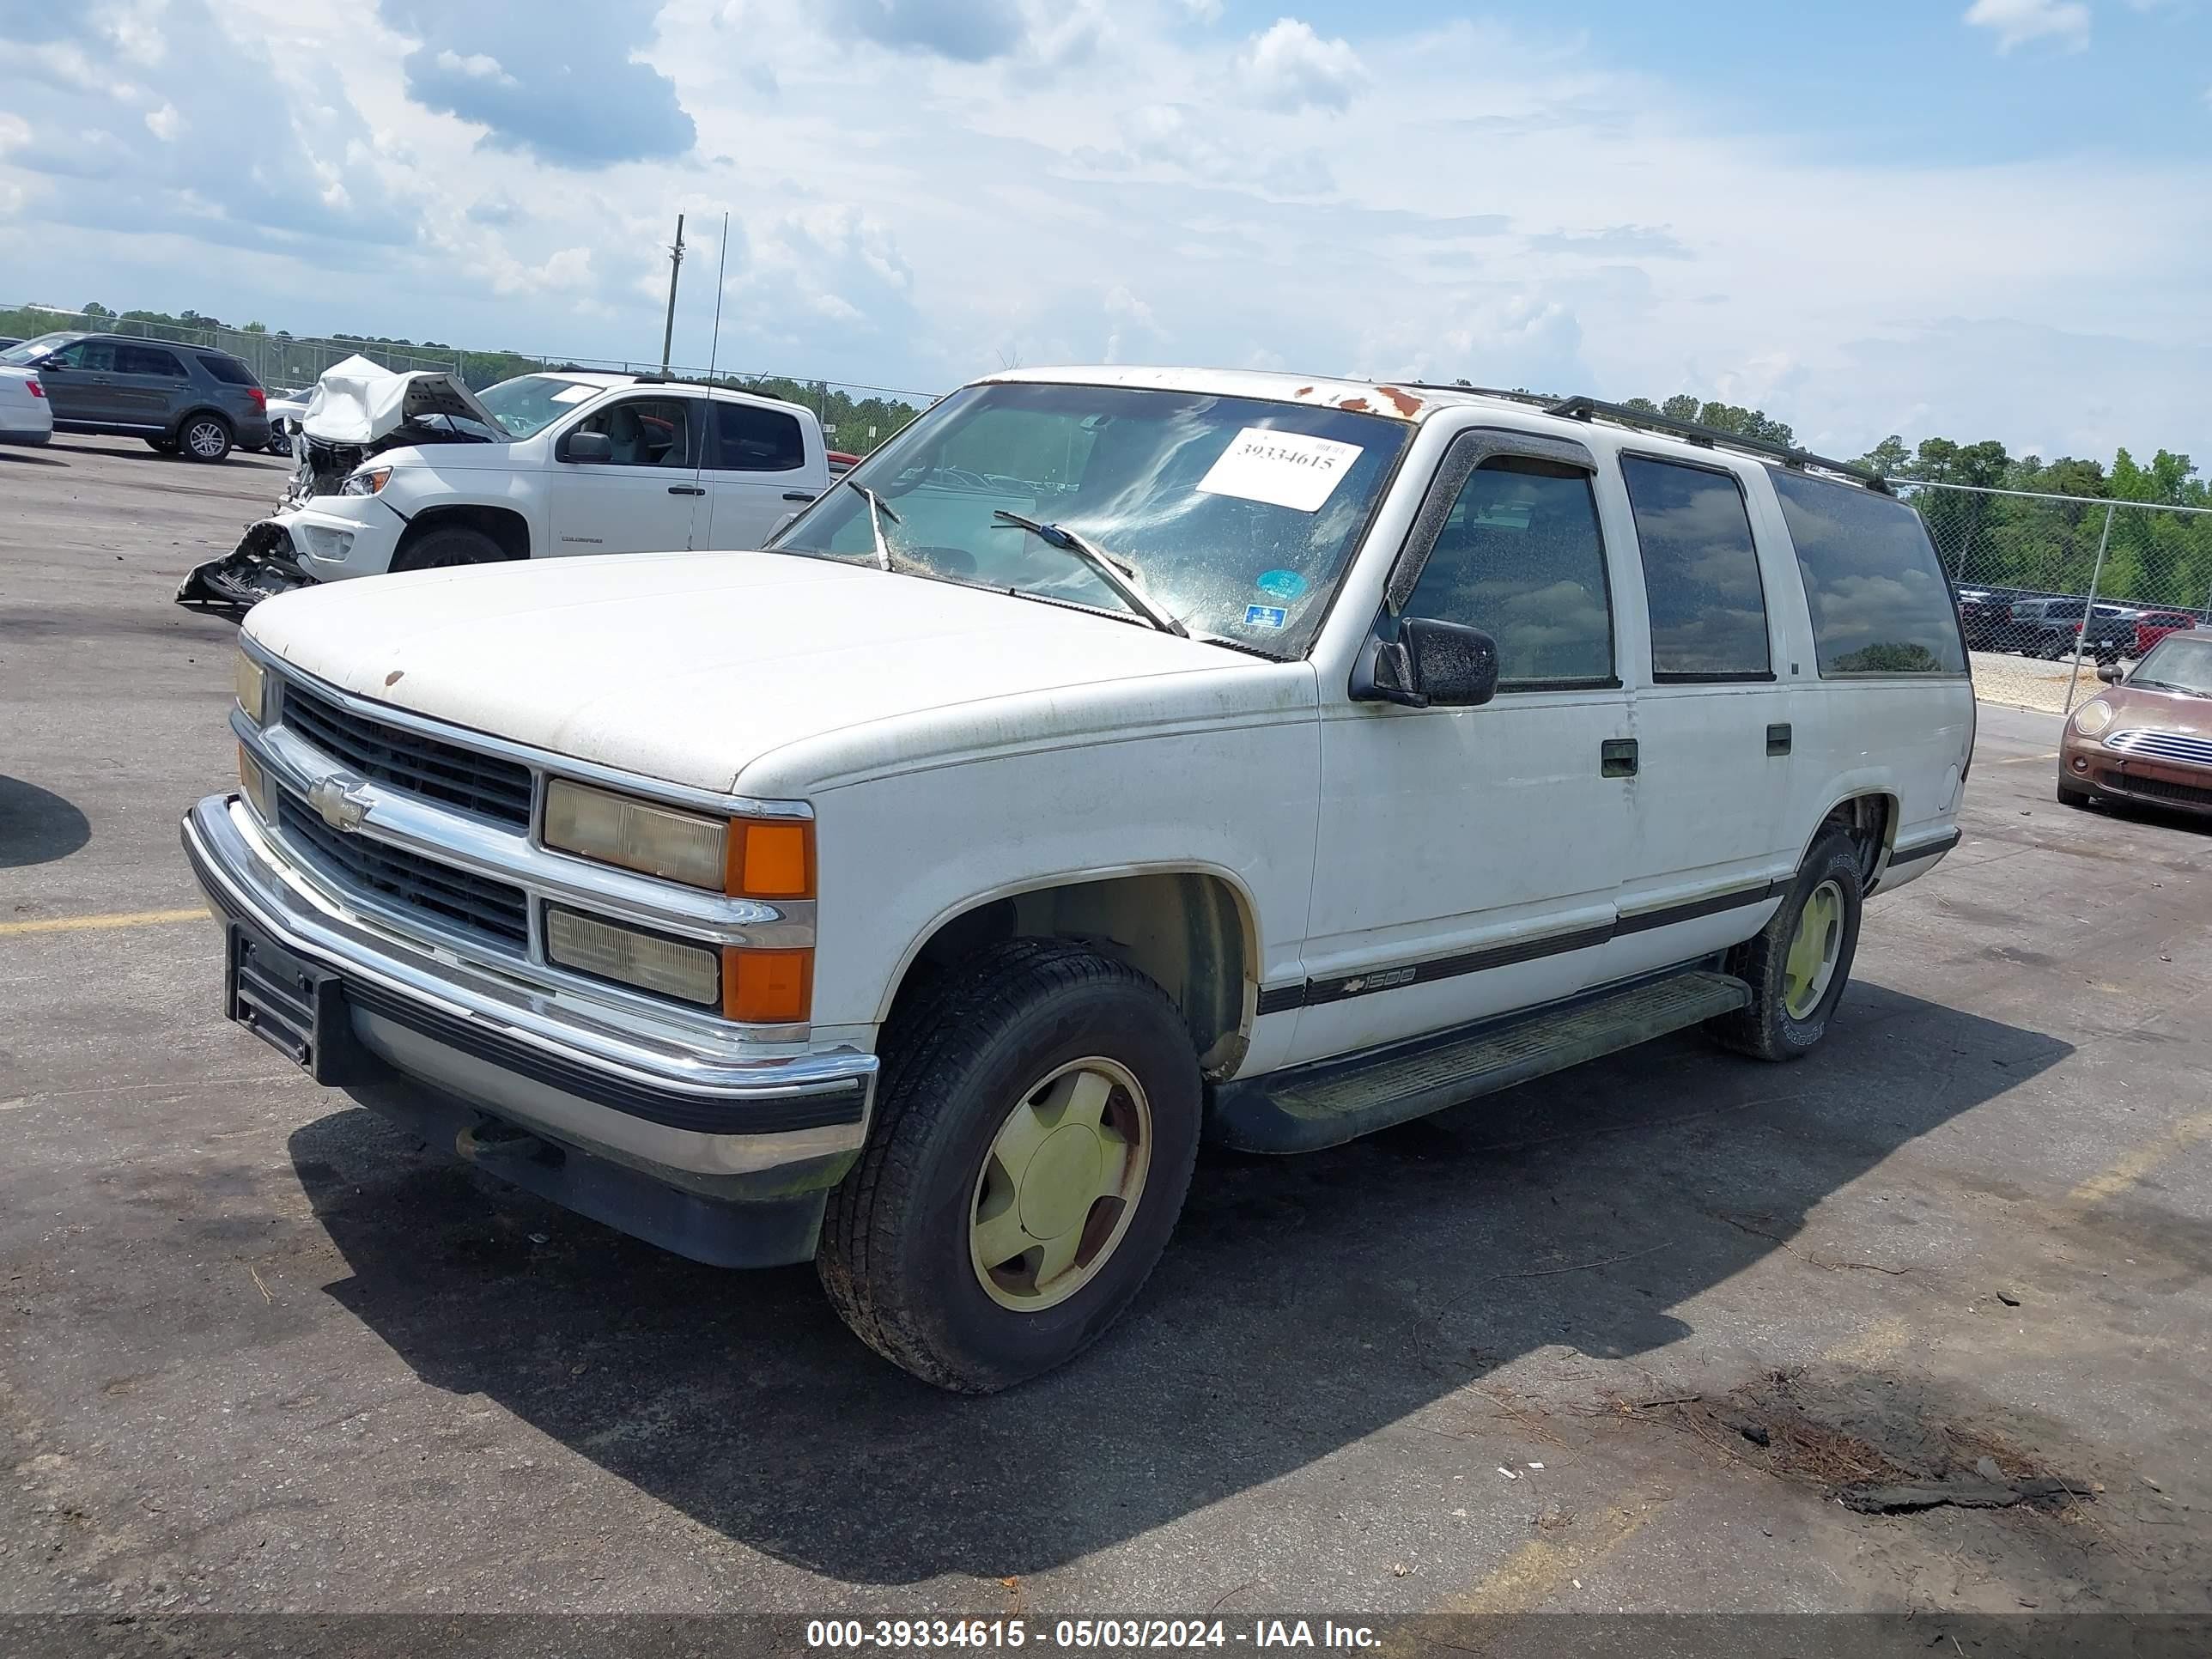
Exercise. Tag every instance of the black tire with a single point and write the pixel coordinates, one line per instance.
(2069, 796)
(442, 549)
(1766, 1030)
(162, 445)
(204, 437)
(895, 1256)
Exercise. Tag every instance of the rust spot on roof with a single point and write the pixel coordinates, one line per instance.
(1303, 391)
(1357, 405)
(1404, 402)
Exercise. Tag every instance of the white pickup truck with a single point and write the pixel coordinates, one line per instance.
(1120, 757)
(415, 472)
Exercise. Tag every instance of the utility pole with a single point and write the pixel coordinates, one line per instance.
(675, 265)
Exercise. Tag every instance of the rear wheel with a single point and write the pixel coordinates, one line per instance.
(204, 437)
(1798, 965)
(1033, 1140)
(441, 550)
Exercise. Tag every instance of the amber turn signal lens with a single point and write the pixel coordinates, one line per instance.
(770, 860)
(767, 988)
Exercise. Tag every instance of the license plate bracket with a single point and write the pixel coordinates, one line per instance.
(296, 1008)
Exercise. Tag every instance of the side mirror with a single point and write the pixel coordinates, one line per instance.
(1429, 665)
(2110, 672)
(586, 448)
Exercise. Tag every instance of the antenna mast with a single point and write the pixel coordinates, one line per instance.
(675, 265)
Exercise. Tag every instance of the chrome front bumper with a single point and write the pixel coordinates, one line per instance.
(695, 1118)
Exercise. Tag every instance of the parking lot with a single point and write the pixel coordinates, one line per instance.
(1608, 1341)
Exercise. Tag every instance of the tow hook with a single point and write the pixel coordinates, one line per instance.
(492, 1139)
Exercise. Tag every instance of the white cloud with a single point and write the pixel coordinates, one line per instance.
(478, 66)
(1291, 68)
(164, 123)
(2016, 23)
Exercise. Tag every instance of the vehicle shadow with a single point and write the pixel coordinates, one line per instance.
(27, 457)
(36, 825)
(1304, 1303)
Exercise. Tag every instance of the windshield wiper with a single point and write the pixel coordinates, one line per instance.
(1117, 574)
(876, 513)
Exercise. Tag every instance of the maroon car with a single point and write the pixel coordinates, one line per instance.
(2148, 736)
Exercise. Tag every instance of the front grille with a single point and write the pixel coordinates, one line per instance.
(2154, 788)
(458, 898)
(2163, 746)
(406, 760)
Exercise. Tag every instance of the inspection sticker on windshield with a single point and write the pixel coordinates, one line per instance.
(1265, 616)
(1283, 469)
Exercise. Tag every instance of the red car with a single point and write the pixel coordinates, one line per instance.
(2153, 626)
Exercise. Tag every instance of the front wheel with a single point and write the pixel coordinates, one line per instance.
(1034, 1137)
(1798, 963)
(2069, 796)
(443, 549)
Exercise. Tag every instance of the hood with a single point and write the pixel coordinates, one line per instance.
(2146, 710)
(357, 402)
(691, 666)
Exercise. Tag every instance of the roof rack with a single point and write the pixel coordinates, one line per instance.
(1707, 437)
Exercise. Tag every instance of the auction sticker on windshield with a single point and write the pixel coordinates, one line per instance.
(1283, 469)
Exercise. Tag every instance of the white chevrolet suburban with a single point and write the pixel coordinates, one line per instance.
(1118, 759)
(417, 472)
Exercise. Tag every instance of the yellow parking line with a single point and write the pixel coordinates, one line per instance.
(2025, 760)
(2141, 1162)
(95, 924)
(1538, 1570)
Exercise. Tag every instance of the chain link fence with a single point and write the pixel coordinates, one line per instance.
(2051, 586)
(856, 417)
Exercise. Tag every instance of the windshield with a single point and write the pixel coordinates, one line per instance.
(2179, 662)
(529, 403)
(31, 351)
(1236, 515)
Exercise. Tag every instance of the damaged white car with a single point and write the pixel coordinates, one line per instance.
(415, 471)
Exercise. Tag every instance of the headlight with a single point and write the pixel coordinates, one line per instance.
(253, 687)
(744, 858)
(2093, 717)
(367, 482)
(653, 841)
(668, 967)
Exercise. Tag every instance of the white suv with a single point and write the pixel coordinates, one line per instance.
(1124, 758)
(415, 473)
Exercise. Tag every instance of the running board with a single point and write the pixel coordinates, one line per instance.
(1334, 1101)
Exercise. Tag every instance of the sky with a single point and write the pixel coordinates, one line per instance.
(1965, 218)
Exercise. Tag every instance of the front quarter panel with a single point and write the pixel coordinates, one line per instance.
(1140, 779)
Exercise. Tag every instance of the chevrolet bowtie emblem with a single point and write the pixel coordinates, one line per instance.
(343, 804)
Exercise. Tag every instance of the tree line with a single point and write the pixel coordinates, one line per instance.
(857, 423)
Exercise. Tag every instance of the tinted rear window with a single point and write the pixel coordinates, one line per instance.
(1880, 601)
(1700, 571)
(147, 360)
(228, 370)
(748, 439)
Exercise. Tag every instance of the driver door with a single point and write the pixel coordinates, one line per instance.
(644, 497)
(1468, 858)
(80, 382)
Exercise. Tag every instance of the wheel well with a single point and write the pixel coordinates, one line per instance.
(506, 528)
(1868, 820)
(191, 415)
(1186, 931)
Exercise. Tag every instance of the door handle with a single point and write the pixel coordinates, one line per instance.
(685, 490)
(796, 495)
(1777, 739)
(1617, 759)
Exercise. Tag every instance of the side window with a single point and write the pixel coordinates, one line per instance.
(93, 356)
(1880, 601)
(1520, 556)
(749, 439)
(1700, 571)
(645, 431)
(147, 360)
(228, 370)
